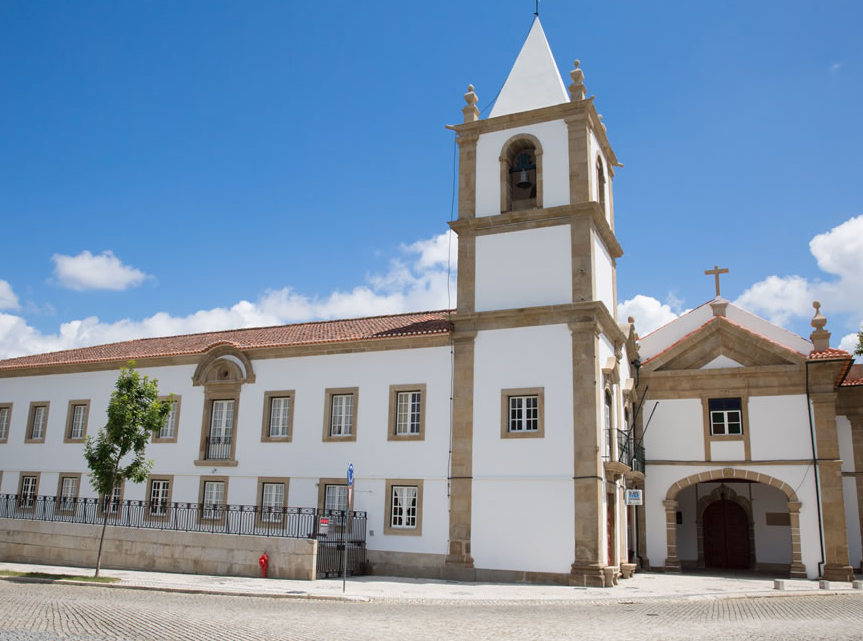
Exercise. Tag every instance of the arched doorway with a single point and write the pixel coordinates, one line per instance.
(726, 536)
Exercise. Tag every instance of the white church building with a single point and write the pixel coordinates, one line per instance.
(495, 441)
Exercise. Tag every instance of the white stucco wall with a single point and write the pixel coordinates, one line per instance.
(603, 275)
(303, 460)
(727, 451)
(676, 431)
(524, 268)
(779, 428)
(846, 447)
(523, 486)
(554, 138)
(852, 521)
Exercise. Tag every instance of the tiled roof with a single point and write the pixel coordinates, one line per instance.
(854, 378)
(829, 353)
(337, 331)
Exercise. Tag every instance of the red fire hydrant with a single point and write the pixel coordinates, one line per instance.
(264, 561)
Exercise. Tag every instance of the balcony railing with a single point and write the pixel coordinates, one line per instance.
(291, 522)
(218, 448)
(624, 446)
(638, 459)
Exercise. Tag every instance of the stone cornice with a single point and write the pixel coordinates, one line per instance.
(593, 314)
(762, 380)
(565, 111)
(543, 217)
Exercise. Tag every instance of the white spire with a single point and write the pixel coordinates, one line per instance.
(534, 80)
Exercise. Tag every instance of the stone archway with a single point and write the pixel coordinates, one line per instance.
(672, 563)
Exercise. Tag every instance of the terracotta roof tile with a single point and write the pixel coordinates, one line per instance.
(829, 353)
(336, 331)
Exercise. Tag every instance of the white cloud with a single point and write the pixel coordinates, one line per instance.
(839, 252)
(103, 271)
(8, 299)
(648, 312)
(849, 343)
(415, 281)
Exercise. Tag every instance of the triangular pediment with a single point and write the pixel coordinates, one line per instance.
(722, 344)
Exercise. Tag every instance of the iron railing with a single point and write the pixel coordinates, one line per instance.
(291, 522)
(218, 448)
(624, 446)
(638, 459)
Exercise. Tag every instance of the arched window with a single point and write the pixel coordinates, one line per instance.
(607, 436)
(600, 183)
(521, 174)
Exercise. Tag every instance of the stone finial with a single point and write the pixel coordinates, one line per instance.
(600, 116)
(719, 306)
(630, 320)
(577, 90)
(471, 111)
(820, 337)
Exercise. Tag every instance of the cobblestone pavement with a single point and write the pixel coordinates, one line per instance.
(48, 612)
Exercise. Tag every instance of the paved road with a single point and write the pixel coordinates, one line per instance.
(47, 612)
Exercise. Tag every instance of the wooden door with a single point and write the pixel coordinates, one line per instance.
(725, 528)
(609, 526)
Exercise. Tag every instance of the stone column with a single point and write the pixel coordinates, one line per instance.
(459, 562)
(837, 566)
(797, 570)
(672, 563)
(588, 482)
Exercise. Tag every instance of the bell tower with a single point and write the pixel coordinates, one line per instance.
(536, 279)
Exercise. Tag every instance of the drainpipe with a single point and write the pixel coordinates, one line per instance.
(815, 468)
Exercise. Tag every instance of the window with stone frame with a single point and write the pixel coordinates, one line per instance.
(600, 183)
(168, 432)
(68, 493)
(726, 416)
(111, 503)
(28, 491)
(272, 502)
(340, 414)
(76, 421)
(213, 500)
(406, 416)
(522, 412)
(5, 418)
(404, 507)
(159, 497)
(278, 416)
(38, 422)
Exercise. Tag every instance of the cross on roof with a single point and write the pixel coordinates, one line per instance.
(715, 273)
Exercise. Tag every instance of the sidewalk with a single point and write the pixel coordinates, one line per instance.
(642, 586)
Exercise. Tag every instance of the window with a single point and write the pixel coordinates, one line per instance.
(600, 183)
(28, 490)
(341, 414)
(404, 507)
(278, 416)
(726, 417)
(272, 493)
(219, 442)
(67, 492)
(212, 499)
(160, 496)
(76, 421)
(37, 422)
(407, 413)
(333, 495)
(5, 416)
(607, 426)
(522, 413)
(168, 433)
(112, 503)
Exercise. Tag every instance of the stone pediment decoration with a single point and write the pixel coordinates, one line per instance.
(722, 343)
(224, 363)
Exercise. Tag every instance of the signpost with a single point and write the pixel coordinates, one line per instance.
(347, 528)
(633, 497)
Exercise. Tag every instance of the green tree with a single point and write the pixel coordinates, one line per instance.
(117, 451)
(859, 350)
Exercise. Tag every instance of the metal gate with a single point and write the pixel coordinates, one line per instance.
(334, 538)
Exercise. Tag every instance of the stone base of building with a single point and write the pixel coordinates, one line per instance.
(591, 576)
(838, 573)
(627, 570)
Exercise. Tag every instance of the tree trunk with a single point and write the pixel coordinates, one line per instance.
(107, 501)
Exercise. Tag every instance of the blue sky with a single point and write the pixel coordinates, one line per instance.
(175, 167)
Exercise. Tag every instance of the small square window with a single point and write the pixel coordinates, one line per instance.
(213, 503)
(159, 497)
(522, 413)
(67, 492)
(28, 490)
(272, 493)
(726, 416)
(113, 503)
